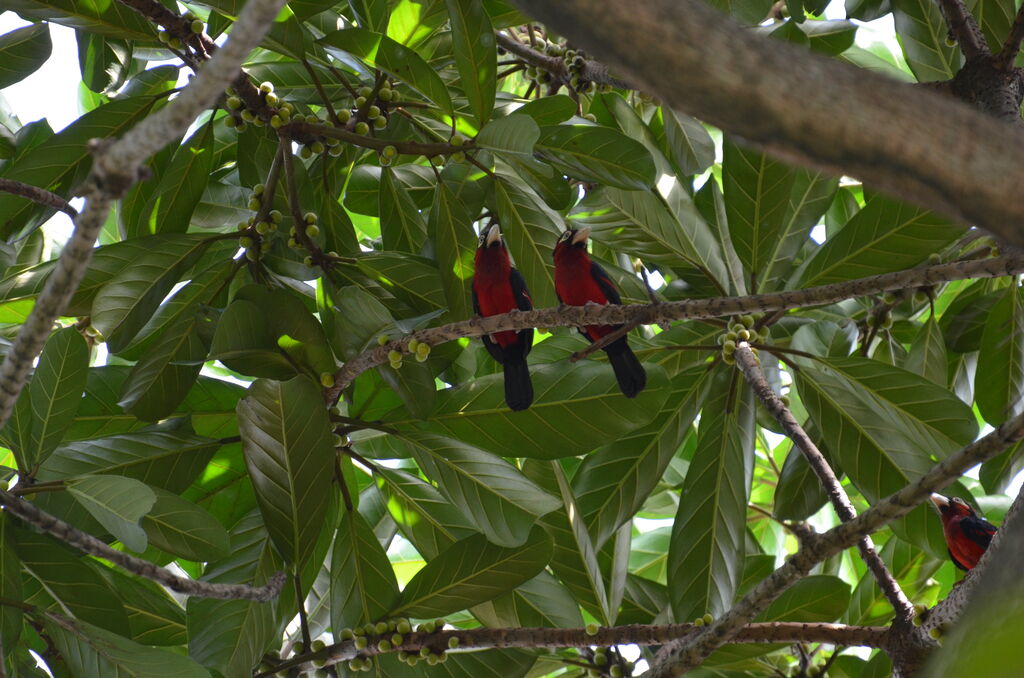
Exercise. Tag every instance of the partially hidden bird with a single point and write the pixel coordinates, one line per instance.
(579, 281)
(500, 288)
(967, 533)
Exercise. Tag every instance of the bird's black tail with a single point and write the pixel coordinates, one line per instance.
(628, 371)
(518, 387)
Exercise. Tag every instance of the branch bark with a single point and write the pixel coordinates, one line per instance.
(909, 142)
(87, 543)
(751, 368)
(38, 195)
(679, 656)
(964, 28)
(647, 314)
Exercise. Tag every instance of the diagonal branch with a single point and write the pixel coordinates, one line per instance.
(89, 544)
(39, 195)
(1011, 48)
(680, 656)
(964, 28)
(579, 316)
(592, 70)
(751, 368)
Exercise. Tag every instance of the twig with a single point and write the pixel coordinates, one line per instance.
(322, 92)
(404, 147)
(603, 341)
(751, 368)
(89, 544)
(1008, 54)
(592, 70)
(964, 28)
(301, 602)
(38, 195)
(614, 314)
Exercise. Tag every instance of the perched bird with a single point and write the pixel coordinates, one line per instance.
(499, 288)
(579, 281)
(967, 533)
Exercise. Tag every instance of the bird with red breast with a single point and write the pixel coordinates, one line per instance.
(580, 281)
(499, 288)
(967, 533)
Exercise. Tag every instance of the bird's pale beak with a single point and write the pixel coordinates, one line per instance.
(940, 502)
(493, 235)
(580, 236)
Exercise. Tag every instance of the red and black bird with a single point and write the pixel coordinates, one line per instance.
(499, 288)
(967, 533)
(579, 281)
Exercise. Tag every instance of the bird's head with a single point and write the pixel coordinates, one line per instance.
(950, 507)
(573, 237)
(490, 237)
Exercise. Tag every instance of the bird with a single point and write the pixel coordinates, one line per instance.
(580, 281)
(500, 288)
(967, 533)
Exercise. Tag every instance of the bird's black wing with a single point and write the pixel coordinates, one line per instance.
(978, 530)
(523, 303)
(476, 302)
(605, 283)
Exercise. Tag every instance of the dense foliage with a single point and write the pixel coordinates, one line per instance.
(178, 411)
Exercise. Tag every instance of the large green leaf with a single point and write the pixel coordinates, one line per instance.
(922, 32)
(475, 56)
(685, 142)
(104, 62)
(513, 134)
(10, 583)
(401, 224)
(450, 227)
(470, 572)
(93, 651)
(154, 618)
(118, 503)
(886, 235)
(363, 585)
(414, 280)
(555, 425)
(657, 229)
(125, 304)
(55, 392)
(495, 494)
(999, 382)
(362, 195)
(398, 61)
(111, 19)
(927, 355)
(542, 601)
(179, 527)
(709, 529)
(598, 154)
(814, 599)
(372, 14)
(286, 437)
(184, 182)
(22, 52)
(994, 17)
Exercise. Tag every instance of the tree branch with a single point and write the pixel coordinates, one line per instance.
(1008, 54)
(904, 140)
(964, 28)
(38, 195)
(592, 70)
(87, 543)
(680, 656)
(612, 314)
(639, 634)
(751, 368)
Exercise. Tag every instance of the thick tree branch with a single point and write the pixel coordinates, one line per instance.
(640, 634)
(93, 546)
(38, 195)
(904, 140)
(964, 28)
(579, 316)
(751, 368)
(679, 656)
(1011, 48)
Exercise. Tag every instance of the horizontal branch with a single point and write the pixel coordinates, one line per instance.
(87, 543)
(907, 141)
(38, 195)
(648, 314)
(680, 656)
(638, 634)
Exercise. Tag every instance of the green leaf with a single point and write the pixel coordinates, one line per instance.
(470, 572)
(104, 62)
(372, 14)
(362, 193)
(58, 580)
(549, 110)
(708, 533)
(542, 601)
(184, 182)
(653, 228)
(95, 16)
(184, 529)
(451, 229)
(597, 154)
(92, 651)
(363, 584)
(398, 61)
(60, 161)
(22, 52)
(685, 142)
(165, 374)
(486, 664)
(994, 17)
(476, 414)
(885, 236)
(830, 37)
(495, 494)
(10, 584)
(814, 599)
(153, 616)
(928, 353)
(475, 56)
(124, 305)
(612, 483)
(286, 437)
(414, 280)
(922, 32)
(999, 382)
(56, 391)
(401, 225)
(514, 134)
(118, 503)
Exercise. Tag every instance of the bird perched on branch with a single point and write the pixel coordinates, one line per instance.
(580, 281)
(967, 533)
(499, 288)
